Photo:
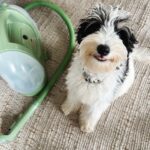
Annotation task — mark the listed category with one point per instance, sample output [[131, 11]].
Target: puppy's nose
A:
[[103, 50]]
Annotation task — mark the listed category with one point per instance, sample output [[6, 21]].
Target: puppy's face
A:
[[103, 45], [102, 52]]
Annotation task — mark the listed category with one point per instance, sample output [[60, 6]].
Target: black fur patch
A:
[[122, 78], [92, 23], [127, 37], [87, 27]]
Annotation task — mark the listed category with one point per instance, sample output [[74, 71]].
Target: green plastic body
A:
[[20, 33], [24, 117]]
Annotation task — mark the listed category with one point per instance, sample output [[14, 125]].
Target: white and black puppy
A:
[[103, 67]]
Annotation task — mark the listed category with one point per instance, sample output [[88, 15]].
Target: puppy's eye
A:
[[124, 33], [87, 27], [127, 35], [92, 26]]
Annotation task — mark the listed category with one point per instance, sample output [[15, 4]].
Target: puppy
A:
[[103, 67]]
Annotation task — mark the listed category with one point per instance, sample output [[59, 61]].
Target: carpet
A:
[[125, 125]]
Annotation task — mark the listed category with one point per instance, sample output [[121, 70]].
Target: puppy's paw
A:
[[65, 109], [70, 106], [86, 127]]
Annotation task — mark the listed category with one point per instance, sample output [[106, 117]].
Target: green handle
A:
[[23, 118]]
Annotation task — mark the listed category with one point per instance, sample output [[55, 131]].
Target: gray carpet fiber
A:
[[126, 123]]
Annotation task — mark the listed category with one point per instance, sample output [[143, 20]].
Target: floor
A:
[[126, 123]]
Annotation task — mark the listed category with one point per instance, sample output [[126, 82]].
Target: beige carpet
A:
[[124, 126]]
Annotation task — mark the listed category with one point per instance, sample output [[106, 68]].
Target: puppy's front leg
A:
[[70, 105], [90, 115]]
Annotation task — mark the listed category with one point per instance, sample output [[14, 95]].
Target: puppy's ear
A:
[[87, 27], [127, 37]]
